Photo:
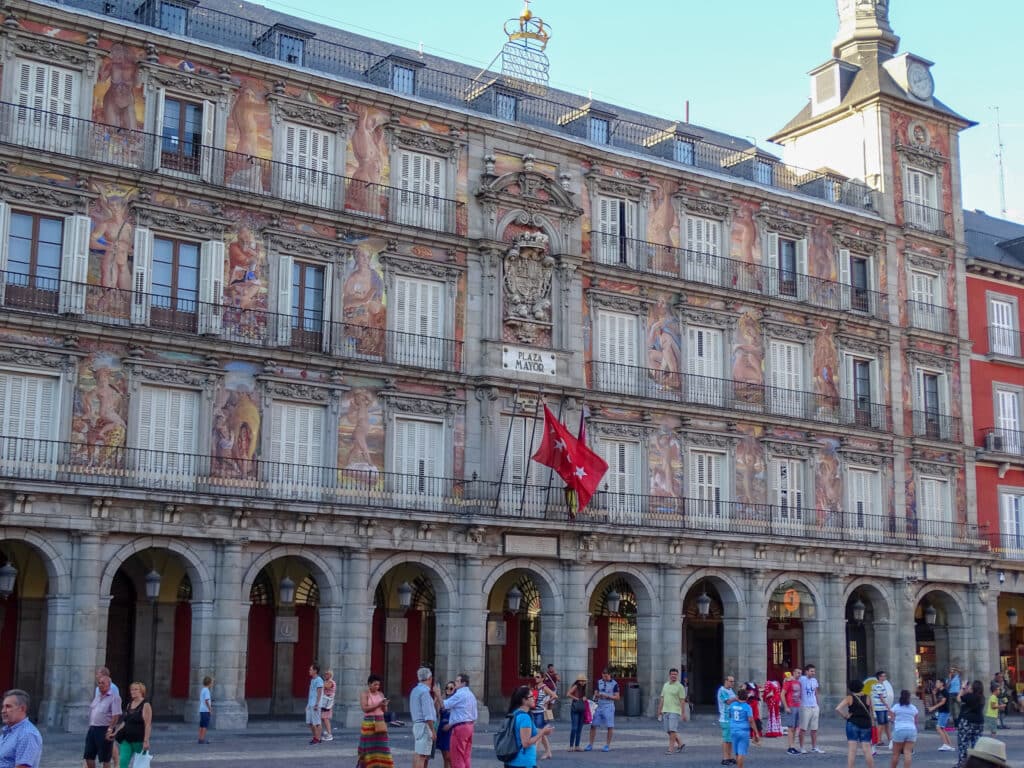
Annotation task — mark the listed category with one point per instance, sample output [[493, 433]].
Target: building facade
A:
[[281, 304]]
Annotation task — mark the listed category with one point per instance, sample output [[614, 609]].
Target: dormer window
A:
[[403, 80], [683, 151], [292, 49], [396, 73], [829, 83], [168, 15], [284, 43], [506, 106], [764, 172], [598, 130]]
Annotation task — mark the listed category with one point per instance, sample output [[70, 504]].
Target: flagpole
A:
[[551, 470], [529, 454], [508, 442]]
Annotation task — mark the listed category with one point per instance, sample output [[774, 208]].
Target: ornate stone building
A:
[[278, 306]]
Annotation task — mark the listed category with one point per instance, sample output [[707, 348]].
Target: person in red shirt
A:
[[791, 707]]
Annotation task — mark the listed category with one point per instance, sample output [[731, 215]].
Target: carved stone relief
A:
[[170, 220], [337, 119], [528, 276], [44, 195]]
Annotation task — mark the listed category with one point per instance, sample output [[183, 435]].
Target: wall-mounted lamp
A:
[[8, 576], [404, 594], [930, 614], [286, 592], [515, 599], [1011, 617], [1002, 577], [611, 600], [704, 603], [858, 609]]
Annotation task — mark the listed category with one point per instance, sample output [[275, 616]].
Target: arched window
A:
[[529, 627], [622, 634]]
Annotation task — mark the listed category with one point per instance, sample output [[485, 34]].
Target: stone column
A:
[[57, 678], [230, 639], [474, 630], [202, 659], [573, 637], [904, 640], [79, 646], [672, 621], [753, 630], [831, 660], [354, 654]]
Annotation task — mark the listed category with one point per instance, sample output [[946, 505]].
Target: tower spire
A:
[[864, 28]]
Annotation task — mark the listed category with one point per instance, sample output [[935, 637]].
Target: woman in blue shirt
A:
[[529, 735]]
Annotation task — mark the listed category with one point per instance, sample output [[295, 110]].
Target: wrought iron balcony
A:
[[929, 317], [173, 314], [927, 219], [936, 426], [1004, 342], [734, 275], [62, 135], [732, 395], [1007, 545], [79, 465], [1007, 441]]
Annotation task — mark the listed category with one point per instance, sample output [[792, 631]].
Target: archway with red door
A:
[[868, 629], [623, 620], [790, 607], [941, 636], [24, 588]]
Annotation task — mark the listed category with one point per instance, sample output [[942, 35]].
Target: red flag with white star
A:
[[580, 468]]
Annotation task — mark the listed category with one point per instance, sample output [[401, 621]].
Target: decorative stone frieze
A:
[[202, 84], [65, 199], [171, 220], [303, 245], [37, 358], [336, 119], [528, 272]]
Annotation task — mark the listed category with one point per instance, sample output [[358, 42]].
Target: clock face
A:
[[920, 80]]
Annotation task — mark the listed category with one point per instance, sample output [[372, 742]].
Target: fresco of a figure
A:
[[364, 305], [828, 481], [743, 245], [110, 249], [663, 227], [367, 161], [665, 460], [824, 364], [245, 281], [99, 424], [750, 469], [248, 136], [236, 423], [118, 96], [748, 360], [361, 434], [664, 355]]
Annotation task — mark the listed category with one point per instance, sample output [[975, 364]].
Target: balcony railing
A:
[[929, 317], [734, 275], [120, 308], [569, 113], [936, 426], [1007, 545], [1009, 441], [927, 219], [81, 465], [62, 135], [1005, 342], [738, 396]]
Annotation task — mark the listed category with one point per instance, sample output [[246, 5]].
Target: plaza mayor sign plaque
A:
[[526, 360]]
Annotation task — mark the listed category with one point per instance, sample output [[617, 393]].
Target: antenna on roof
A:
[[421, 49], [1002, 170]]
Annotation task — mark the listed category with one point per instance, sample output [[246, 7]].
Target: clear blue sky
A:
[[742, 64]]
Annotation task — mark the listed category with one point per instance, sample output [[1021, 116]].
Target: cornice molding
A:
[[337, 119], [144, 370], [304, 245], [602, 184], [619, 302], [712, 208], [172, 220], [417, 267], [406, 137], [190, 83], [69, 200], [28, 357]]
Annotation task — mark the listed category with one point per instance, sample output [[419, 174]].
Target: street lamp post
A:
[[153, 594]]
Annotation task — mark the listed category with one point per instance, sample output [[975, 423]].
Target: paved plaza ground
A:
[[638, 743]]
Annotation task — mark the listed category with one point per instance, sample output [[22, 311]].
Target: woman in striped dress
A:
[[374, 751]]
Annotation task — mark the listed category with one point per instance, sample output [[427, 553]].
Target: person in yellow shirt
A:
[[993, 708], [672, 709]]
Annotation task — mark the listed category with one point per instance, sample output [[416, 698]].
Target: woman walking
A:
[[577, 711], [374, 750], [941, 710], [327, 704], [529, 734], [138, 723], [972, 719], [444, 728], [541, 707], [904, 730], [856, 710]]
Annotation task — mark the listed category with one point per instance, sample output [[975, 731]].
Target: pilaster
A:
[[353, 659], [80, 649], [230, 633]]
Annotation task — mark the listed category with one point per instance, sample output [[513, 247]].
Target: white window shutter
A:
[[845, 278], [328, 310], [74, 266], [142, 276], [211, 286], [608, 213], [158, 128], [284, 300], [144, 437], [631, 216], [773, 250], [207, 149], [801, 267], [5, 228], [945, 412]]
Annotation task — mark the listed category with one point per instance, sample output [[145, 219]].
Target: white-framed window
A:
[[296, 449], [617, 352], [177, 283], [305, 291], [48, 99], [1011, 507], [44, 260], [622, 481], [863, 497], [788, 489], [857, 281], [933, 504], [786, 378], [422, 188], [419, 323], [707, 493], [787, 266], [167, 438], [683, 151], [306, 171], [705, 355], [920, 196], [702, 250], [1008, 436], [598, 130], [29, 418], [524, 435], [418, 452], [932, 416], [617, 223], [186, 126], [1003, 326], [926, 310], [861, 391]]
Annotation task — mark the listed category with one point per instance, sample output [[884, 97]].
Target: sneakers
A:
[[803, 750], [328, 737], [890, 746], [588, 748], [819, 750], [314, 741], [945, 748], [606, 748], [793, 751]]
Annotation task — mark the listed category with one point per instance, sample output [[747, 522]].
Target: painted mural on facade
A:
[[361, 433], [236, 423], [363, 299], [99, 422]]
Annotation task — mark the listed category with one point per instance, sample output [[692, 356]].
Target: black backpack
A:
[[506, 740]]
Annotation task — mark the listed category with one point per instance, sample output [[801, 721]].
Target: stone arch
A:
[[647, 596], [58, 575], [881, 597], [556, 244], [949, 599], [731, 595], [203, 588], [802, 578], [327, 581], [446, 598], [545, 579]]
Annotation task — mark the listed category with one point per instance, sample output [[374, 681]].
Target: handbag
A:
[[578, 706], [142, 760], [588, 716], [379, 726], [548, 715]]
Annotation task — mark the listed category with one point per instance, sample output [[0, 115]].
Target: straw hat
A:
[[990, 750], [581, 678]]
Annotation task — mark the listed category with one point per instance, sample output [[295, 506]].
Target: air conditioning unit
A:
[[993, 442]]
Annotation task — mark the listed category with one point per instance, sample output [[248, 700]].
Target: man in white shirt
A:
[[882, 699], [809, 708], [462, 714]]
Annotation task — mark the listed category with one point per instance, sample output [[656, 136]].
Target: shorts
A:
[[726, 731], [312, 716], [423, 743], [604, 717], [991, 724], [854, 733], [671, 720], [882, 716], [943, 718], [96, 745], [809, 718], [204, 719], [538, 719], [904, 734], [791, 719], [740, 743]]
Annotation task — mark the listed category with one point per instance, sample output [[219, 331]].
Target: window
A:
[[28, 417], [857, 280], [419, 323], [291, 49], [704, 361], [524, 435], [304, 291], [182, 135], [506, 106], [598, 130], [617, 227], [863, 489], [926, 302], [47, 97], [419, 451], [43, 260], [860, 384], [920, 200], [617, 352], [931, 405], [177, 284], [1008, 436], [787, 266], [403, 80], [297, 448], [764, 172], [703, 245], [707, 485], [422, 186], [167, 440], [306, 172], [786, 378], [1004, 337], [622, 480], [788, 489], [173, 18], [683, 151], [933, 504], [1011, 504]]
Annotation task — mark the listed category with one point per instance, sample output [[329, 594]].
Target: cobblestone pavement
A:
[[638, 743]]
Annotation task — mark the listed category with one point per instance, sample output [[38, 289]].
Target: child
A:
[[742, 726], [205, 708], [994, 706]]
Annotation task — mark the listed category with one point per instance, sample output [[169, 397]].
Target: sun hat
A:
[[580, 678], [990, 750]]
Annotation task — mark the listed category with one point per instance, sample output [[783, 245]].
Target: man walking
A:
[[882, 699], [462, 710], [104, 712], [607, 694], [726, 696], [316, 692], [21, 746], [670, 710], [742, 726], [424, 714], [791, 708], [809, 709]]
